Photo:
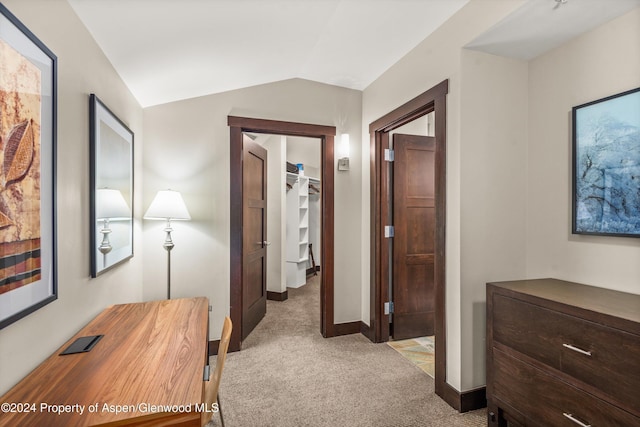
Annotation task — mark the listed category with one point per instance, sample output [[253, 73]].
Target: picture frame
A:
[[606, 166], [111, 178], [28, 97]]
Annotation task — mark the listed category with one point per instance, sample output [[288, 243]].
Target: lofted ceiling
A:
[[167, 50]]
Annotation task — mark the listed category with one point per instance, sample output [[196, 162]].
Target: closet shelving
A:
[[303, 195], [297, 229]]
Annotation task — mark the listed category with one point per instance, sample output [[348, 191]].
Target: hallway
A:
[[288, 375]]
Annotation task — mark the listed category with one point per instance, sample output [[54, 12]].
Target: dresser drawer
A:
[[546, 401], [603, 357]]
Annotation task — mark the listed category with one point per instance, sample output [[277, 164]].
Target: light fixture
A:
[[110, 206], [343, 153], [168, 205]]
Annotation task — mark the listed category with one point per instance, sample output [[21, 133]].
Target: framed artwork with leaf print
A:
[[27, 171]]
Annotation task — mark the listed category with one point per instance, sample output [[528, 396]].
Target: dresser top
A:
[[598, 300]]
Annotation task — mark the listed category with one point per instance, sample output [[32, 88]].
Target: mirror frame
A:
[[106, 127]]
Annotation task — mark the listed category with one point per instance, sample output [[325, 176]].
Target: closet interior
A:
[[303, 227], [293, 211]]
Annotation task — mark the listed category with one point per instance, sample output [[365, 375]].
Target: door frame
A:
[[326, 134], [433, 99]]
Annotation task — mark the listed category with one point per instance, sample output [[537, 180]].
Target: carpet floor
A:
[[288, 375]]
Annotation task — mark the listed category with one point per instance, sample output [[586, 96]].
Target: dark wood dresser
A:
[[562, 354]]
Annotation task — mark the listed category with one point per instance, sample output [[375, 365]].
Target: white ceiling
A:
[[541, 25], [167, 50]]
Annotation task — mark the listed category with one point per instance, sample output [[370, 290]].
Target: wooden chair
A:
[[212, 386]]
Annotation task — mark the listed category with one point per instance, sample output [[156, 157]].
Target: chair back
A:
[[211, 387]]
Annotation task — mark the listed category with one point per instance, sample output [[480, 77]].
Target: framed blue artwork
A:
[[606, 166]]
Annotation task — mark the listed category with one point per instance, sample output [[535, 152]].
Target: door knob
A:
[[266, 243]]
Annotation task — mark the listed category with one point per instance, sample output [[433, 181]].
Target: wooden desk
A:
[[152, 353]]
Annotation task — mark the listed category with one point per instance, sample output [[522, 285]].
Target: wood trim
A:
[[326, 134], [380, 247], [450, 395], [413, 109], [366, 330], [327, 243], [280, 128], [465, 401], [235, 246], [433, 99], [386, 218], [277, 296], [347, 328], [374, 226], [473, 399], [440, 107], [213, 347]]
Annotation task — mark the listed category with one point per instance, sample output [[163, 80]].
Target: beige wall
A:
[[308, 152], [276, 146], [82, 69], [600, 63], [187, 149], [493, 142], [437, 58]]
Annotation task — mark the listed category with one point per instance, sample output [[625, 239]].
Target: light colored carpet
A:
[[288, 375]]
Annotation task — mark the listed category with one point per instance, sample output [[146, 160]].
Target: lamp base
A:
[[105, 246], [168, 245]]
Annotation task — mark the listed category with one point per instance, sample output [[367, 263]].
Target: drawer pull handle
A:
[[579, 350], [575, 420]]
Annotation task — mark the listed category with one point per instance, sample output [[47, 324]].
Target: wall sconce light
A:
[[110, 206], [168, 204], [343, 152]]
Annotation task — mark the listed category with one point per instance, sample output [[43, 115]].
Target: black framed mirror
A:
[[111, 188]]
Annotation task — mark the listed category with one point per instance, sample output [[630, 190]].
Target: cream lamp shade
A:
[[111, 205], [168, 204]]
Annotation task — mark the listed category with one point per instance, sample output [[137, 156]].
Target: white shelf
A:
[[297, 230]]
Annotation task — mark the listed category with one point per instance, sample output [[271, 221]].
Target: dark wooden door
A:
[[254, 226], [414, 216]]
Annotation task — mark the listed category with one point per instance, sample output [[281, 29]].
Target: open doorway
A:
[[431, 101], [240, 243], [294, 226], [412, 199]]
